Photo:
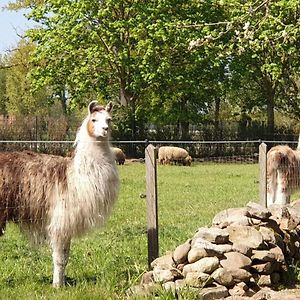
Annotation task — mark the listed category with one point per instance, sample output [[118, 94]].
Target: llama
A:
[[58, 198], [283, 173]]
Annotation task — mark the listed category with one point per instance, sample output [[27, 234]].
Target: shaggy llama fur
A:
[[58, 198], [283, 174]]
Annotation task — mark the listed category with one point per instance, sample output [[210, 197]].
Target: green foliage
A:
[[20, 100], [3, 76], [170, 61]]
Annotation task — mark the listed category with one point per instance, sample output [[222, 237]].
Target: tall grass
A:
[[104, 264]]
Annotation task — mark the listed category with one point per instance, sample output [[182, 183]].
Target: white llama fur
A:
[[59, 198], [283, 174]]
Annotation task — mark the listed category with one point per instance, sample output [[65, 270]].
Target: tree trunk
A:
[[63, 101], [184, 120], [269, 92], [132, 112], [217, 119]]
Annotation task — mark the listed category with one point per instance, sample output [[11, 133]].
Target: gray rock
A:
[[240, 275], [296, 206], [241, 248], [278, 254], [211, 293], [147, 277], [229, 216], [181, 252], [263, 255], [235, 260], [240, 289], [256, 210], [204, 265], [246, 235], [197, 279], [164, 262], [222, 277], [143, 289], [211, 249], [196, 254], [213, 234], [286, 216], [265, 268], [268, 234], [264, 280], [162, 275]]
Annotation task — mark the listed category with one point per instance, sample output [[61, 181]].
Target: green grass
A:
[[104, 264]]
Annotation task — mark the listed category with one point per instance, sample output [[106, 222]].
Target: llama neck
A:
[[90, 151]]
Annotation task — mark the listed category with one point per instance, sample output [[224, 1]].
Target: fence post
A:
[[263, 174], [151, 192]]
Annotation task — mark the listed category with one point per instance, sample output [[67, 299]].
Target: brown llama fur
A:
[[58, 198], [283, 174]]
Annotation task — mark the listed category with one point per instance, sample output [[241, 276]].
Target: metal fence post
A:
[[151, 192], [263, 174]]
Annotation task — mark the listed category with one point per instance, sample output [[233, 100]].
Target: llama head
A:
[[99, 120]]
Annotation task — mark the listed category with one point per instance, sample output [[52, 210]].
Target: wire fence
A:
[[201, 151]]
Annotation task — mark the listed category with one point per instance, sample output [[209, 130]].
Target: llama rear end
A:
[[283, 174], [26, 183]]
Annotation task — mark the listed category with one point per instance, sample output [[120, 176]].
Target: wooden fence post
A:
[[151, 192], [263, 174]]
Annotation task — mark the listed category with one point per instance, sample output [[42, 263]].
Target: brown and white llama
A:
[[59, 198], [283, 173]]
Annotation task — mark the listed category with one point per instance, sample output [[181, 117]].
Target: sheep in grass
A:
[[283, 174], [59, 198], [119, 155], [168, 154]]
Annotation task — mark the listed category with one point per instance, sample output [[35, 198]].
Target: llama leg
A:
[[282, 196], [60, 256], [271, 189]]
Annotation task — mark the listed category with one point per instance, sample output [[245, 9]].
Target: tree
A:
[[3, 97], [20, 99], [126, 50], [267, 44], [261, 42]]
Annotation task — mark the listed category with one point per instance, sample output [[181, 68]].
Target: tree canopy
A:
[[169, 61]]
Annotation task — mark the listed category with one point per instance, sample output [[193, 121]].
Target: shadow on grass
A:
[[69, 281]]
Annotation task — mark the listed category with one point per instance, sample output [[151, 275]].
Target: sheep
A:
[[57, 198], [168, 154], [119, 155], [283, 173]]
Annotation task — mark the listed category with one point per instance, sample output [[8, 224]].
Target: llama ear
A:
[[109, 107], [91, 106]]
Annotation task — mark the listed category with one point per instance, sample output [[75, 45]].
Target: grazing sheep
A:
[[119, 155], [58, 198], [187, 161], [168, 154], [283, 174]]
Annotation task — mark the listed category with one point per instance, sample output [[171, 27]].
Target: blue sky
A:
[[12, 24]]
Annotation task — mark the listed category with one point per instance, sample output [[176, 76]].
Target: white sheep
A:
[[119, 155], [168, 154]]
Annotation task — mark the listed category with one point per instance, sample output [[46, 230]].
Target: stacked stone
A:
[[244, 250]]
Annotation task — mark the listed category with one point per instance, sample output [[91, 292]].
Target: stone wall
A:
[[243, 251]]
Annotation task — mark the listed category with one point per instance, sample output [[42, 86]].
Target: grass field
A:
[[104, 264]]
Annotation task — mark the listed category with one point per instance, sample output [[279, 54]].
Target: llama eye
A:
[[94, 120]]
